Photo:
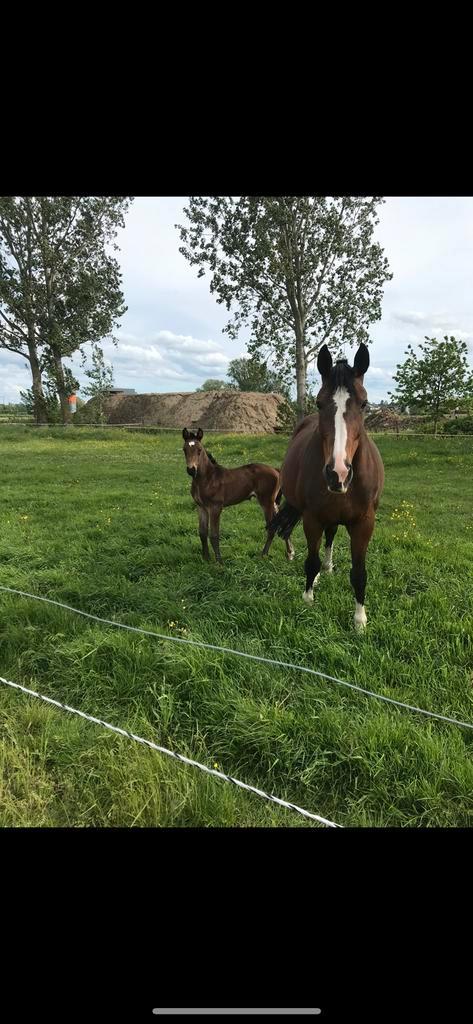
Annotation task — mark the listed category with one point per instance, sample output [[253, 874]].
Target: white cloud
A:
[[157, 357]]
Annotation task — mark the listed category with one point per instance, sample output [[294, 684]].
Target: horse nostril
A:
[[191, 470]]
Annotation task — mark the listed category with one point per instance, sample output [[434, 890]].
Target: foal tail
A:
[[285, 521]]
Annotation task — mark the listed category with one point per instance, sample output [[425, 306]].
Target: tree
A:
[[300, 270], [254, 375], [60, 285], [213, 385], [100, 378], [435, 380]]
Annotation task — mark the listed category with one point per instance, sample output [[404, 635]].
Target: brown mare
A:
[[214, 488], [333, 475]]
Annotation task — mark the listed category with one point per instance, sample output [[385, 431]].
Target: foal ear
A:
[[199, 434], [185, 433], [361, 361], [324, 362]]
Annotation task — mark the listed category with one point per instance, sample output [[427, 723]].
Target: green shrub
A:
[[462, 425]]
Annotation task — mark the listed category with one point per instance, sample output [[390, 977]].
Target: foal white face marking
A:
[[340, 398], [191, 444]]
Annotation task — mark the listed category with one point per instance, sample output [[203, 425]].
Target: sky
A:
[[171, 337]]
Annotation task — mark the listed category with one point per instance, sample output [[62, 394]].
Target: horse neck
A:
[[206, 467], [362, 443]]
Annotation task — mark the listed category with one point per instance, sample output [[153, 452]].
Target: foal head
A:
[[192, 449], [340, 402]]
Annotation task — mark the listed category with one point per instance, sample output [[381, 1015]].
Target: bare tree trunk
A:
[[40, 410], [40, 407], [61, 388], [301, 373]]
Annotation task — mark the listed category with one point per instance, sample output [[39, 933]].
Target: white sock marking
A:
[[360, 617], [308, 595]]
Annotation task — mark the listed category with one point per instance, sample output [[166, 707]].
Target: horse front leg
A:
[[215, 531], [360, 536], [313, 532], [204, 532], [327, 562]]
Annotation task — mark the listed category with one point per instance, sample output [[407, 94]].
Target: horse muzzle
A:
[[334, 484], [192, 471]]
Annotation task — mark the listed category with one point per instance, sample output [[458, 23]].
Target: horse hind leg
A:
[[313, 532], [290, 550], [269, 511], [327, 561]]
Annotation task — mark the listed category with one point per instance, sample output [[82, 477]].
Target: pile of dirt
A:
[[383, 419], [386, 419], [245, 412]]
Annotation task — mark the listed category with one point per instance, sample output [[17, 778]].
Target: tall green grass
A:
[[103, 520]]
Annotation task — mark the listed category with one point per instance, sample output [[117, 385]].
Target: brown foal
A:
[[214, 488], [333, 475]]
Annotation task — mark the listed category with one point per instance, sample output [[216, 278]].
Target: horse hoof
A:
[[308, 596], [290, 555], [360, 623]]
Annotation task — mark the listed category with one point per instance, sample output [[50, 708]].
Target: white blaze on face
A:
[[340, 398], [191, 444]]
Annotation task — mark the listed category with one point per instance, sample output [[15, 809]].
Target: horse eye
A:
[[363, 405]]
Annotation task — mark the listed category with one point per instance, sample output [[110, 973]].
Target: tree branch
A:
[[316, 294], [13, 327]]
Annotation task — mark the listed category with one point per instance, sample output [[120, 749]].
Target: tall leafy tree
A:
[[100, 380], [211, 384], [299, 270], [435, 379], [60, 283], [254, 374], [20, 293]]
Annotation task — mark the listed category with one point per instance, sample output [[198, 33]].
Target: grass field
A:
[[103, 520]]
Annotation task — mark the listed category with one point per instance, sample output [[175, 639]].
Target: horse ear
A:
[[199, 434], [324, 362], [361, 361], [185, 433]]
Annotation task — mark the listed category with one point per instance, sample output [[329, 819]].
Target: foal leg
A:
[[327, 563], [360, 536], [203, 532], [215, 531], [313, 531], [290, 552]]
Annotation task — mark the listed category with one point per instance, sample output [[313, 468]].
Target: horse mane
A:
[[342, 376], [211, 458]]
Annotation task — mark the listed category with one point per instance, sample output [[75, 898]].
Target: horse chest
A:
[[195, 492]]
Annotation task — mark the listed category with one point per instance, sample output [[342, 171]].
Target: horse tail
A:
[[279, 494], [284, 522]]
